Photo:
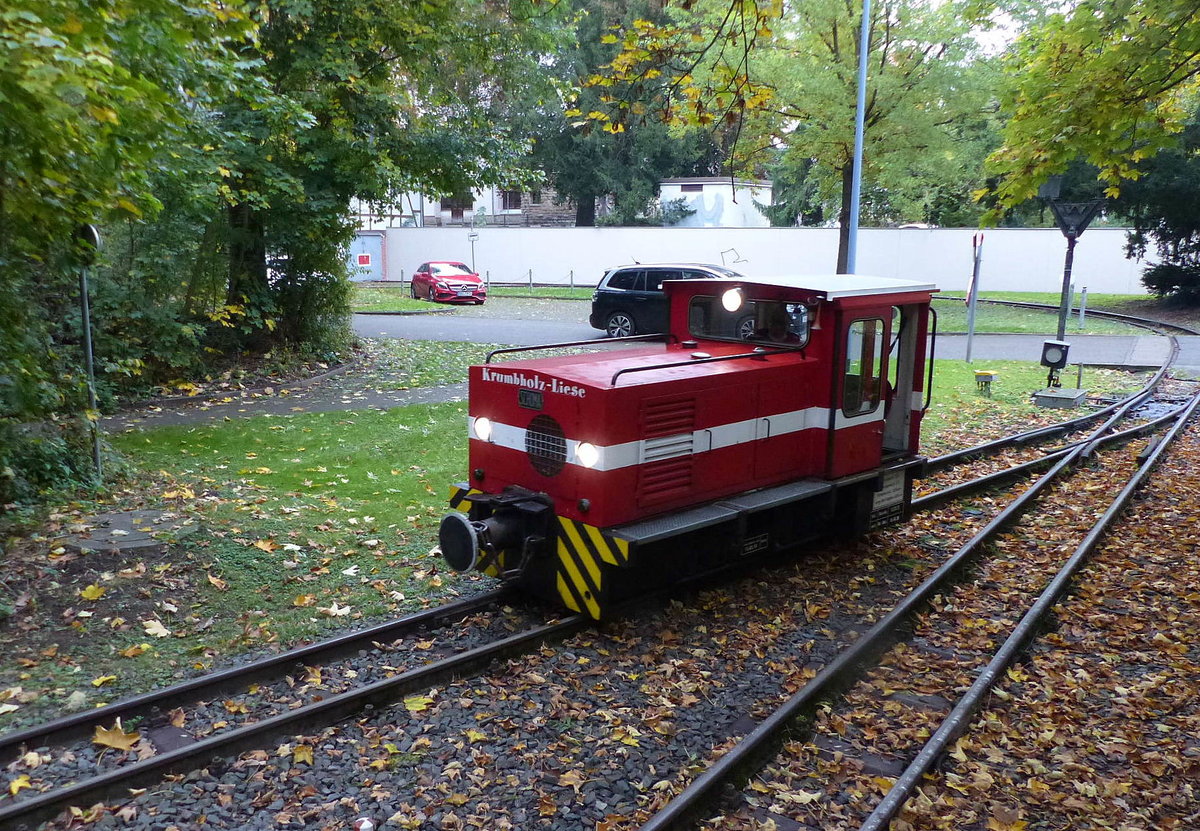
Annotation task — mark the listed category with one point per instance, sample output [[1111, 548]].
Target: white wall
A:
[[1013, 259]]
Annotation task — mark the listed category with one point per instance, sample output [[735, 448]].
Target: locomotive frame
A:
[[598, 477]]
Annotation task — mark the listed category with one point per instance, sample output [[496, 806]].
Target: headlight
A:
[[483, 429], [587, 454], [732, 300]]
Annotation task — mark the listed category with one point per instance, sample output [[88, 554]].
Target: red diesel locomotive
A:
[[596, 477]]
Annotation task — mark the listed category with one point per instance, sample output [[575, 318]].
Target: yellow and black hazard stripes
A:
[[458, 497], [583, 552], [458, 501]]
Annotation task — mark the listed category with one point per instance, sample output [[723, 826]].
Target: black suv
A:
[[630, 300]]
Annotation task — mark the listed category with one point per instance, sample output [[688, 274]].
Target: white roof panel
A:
[[834, 286]]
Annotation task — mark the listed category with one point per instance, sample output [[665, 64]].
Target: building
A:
[[719, 202]]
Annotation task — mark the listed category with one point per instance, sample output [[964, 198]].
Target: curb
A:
[[410, 312]]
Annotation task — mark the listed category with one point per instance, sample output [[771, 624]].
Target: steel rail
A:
[[956, 723], [23, 814], [922, 503], [1132, 320], [80, 724], [986, 448], [850, 663]]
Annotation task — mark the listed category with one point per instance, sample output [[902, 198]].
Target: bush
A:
[[1181, 280], [50, 455]]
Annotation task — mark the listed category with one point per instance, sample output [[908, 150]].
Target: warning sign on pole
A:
[[364, 259]]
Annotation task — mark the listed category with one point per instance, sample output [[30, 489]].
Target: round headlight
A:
[[587, 454], [483, 429], [732, 300]]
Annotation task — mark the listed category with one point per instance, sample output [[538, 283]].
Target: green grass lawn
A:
[[310, 522], [380, 298], [990, 318]]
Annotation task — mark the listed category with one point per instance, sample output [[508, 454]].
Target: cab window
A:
[[766, 322], [864, 366]]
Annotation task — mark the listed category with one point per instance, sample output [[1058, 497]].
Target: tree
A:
[[1102, 81], [787, 77], [1164, 207], [91, 93], [581, 159], [391, 97]]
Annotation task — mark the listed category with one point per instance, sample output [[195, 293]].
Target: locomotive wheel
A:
[[620, 325]]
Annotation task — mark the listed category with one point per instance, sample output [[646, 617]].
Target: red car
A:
[[448, 282]]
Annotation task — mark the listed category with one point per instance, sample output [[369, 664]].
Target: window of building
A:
[[510, 200], [535, 197], [691, 188]]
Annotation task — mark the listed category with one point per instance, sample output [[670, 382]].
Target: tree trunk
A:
[[248, 285], [843, 255], [585, 210]]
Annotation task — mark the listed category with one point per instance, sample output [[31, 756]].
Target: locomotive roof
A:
[[832, 286]]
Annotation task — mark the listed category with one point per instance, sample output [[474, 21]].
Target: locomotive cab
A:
[[777, 411]]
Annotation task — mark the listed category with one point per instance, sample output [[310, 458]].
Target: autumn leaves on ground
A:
[[305, 523]]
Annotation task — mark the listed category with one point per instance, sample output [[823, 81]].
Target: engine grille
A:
[[546, 445]]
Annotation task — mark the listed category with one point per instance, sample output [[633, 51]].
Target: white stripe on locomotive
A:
[[630, 454]]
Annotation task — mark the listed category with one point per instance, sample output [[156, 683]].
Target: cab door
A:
[[856, 418]]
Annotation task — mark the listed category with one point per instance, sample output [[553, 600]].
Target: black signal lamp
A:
[[1054, 354]]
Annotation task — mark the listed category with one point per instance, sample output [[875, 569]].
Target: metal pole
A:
[[864, 47], [89, 363], [977, 257], [531, 281], [1082, 305], [1064, 303]]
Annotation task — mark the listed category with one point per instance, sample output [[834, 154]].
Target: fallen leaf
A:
[[155, 628], [115, 736], [417, 703], [302, 753], [135, 650], [92, 592], [266, 545], [22, 781], [102, 680], [217, 582]]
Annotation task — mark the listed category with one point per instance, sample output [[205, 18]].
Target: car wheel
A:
[[620, 325], [412, 289], [745, 327], [429, 295], [478, 302]]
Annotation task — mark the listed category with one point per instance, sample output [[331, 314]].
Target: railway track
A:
[[329, 706], [888, 646], [328, 692]]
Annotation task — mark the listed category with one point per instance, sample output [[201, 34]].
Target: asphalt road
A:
[[522, 322], [510, 321]]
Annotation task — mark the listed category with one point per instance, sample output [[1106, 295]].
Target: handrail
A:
[[593, 342], [759, 351], [929, 360]]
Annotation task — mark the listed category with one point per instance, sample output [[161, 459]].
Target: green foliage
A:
[[218, 147], [1105, 81], [583, 159], [1164, 207]]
